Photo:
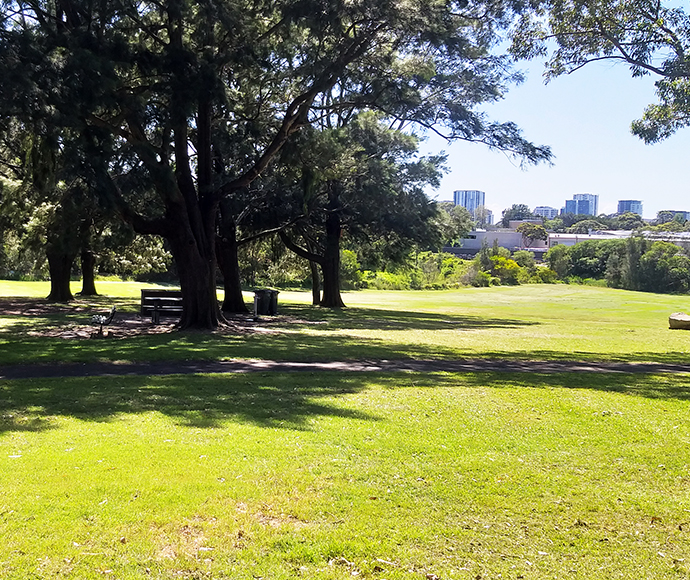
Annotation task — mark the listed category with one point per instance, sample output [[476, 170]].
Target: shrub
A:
[[558, 259], [387, 280], [546, 275], [350, 270], [505, 269], [524, 259]]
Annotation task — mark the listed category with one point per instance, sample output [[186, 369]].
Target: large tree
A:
[[155, 87], [362, 181], [652, 37]]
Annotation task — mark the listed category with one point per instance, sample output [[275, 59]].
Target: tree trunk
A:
[[88, 273], [315, 283], [226, 249], [330, 266], [195, 258], [60, 267]]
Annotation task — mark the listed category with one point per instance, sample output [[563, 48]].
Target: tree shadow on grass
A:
[[358, 318], [647, 385], [202, 401], [37, 315], [275, 400]]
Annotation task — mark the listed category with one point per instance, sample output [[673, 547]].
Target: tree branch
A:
[[301, 252]]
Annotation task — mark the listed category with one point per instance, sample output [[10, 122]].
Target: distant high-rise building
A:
[[545, 211], [583, 203], [470, 199], [630, 205]]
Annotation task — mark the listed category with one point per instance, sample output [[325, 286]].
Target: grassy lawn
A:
[[329, 476], [371, 475], [525, 322]]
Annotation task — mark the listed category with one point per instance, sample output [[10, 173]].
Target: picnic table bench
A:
[[156, 303]]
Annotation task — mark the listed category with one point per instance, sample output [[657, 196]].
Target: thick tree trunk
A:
[[195, 258], [330, 266], [228, 262], [60, 267], [315, 283], [88, 273], [197, 282]]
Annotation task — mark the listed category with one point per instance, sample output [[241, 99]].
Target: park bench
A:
[[156, 303], [103, 320]]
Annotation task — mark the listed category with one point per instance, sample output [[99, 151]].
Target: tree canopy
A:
[[650, 36], [517, 211], [532, 232], [171, 107]]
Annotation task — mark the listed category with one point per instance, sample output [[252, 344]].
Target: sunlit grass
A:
[[525, 322], [330, 476]]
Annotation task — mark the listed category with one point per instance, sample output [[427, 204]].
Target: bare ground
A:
[[126, 323]]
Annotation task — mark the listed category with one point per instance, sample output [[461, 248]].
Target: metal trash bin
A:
[[266, 301]]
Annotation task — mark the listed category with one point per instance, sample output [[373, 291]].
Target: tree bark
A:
[[197, 281], [315, 283], [229, 265], [88, 273], [330, 265], [60, 267]]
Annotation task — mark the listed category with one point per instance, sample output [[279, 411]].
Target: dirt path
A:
[[248, 366]]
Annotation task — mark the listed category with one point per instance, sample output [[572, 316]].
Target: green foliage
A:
[[532, 232], [545, 275], [518, 211], [589, 258], [629, 221], [454, 222], [670, 226], [558, 259], [428, 271], [664, 266], [387, 280], [584, 226], [651, 37], [525, 259], [632, 264], [350, 270], [555, 225], [495, 266], [505, 269]]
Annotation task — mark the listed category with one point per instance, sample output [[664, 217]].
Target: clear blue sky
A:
[[585, 118]]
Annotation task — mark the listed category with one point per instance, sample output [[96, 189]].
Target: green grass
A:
[[525, 322], [333, 476], [324, 475]]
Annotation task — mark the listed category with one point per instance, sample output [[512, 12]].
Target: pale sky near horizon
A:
[[585, 118]]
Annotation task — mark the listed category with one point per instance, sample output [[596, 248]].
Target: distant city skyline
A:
[[585, 118]]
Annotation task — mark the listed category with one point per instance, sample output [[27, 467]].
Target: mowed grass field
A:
[[367, 475], [522, 322]]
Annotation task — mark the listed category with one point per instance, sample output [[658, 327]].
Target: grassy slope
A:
[[527, 322]]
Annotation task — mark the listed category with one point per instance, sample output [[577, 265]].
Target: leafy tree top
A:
[[532, 232], [650, 36], [518, 211]]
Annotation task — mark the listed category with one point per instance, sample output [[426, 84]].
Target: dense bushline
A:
[[632, 264]]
